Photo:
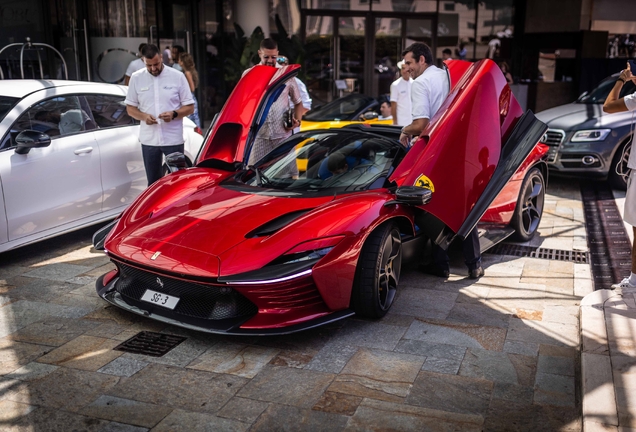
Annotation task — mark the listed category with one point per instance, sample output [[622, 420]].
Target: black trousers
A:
[[153, 159], [472, 254]]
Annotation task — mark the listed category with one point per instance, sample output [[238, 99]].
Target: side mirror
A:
[[413, 195], [176, 161], [582, 95], [28, 139], [371, 115]]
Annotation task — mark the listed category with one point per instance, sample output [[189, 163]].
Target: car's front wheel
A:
[[619, 165], [378, 272], [529, 209]]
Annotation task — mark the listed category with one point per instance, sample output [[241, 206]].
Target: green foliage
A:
[[290, 47], [241, 53]]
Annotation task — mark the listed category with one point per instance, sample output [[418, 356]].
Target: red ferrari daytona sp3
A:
[[278, 246]]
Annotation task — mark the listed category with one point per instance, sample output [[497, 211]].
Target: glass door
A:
[[348, 52], [182, 27], [350, 49], [177, 29], [388, 52], [318, 69]]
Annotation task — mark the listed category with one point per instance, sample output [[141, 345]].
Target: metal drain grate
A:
[[542, 253], [610, 248], [150, 343]]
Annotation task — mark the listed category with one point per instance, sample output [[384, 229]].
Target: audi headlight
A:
[[590, 135]]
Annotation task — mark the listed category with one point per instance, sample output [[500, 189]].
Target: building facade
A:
[[343, 45]]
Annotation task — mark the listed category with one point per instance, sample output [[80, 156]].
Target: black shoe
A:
[[434, 270], [476, 273]]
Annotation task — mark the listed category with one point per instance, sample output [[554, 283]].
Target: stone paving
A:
[[501, 353]]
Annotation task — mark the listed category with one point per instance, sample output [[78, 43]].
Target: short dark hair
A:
[[179, 50], [336, 161], [269, 44], [419, 49], [141, 46], [149, 51], [447, 51]]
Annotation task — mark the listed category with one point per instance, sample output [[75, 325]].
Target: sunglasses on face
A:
[[281, 60]]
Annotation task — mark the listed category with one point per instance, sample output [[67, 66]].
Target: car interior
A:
[[364, 161], [67, 115]]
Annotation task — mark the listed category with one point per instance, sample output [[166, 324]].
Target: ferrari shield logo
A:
[[424, 182], [155, 255]]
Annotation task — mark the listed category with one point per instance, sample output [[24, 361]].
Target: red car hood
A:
[[189, 234]]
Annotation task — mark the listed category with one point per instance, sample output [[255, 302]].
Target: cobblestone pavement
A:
[[501, 353]]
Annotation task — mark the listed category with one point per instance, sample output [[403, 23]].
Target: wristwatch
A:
[[174, 115], [621, 80]]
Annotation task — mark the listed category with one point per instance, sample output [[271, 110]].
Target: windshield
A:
[[600, 93], [6, 103], [325, 162], [345, 108]]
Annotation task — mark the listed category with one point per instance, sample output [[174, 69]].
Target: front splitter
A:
[[109, 294]]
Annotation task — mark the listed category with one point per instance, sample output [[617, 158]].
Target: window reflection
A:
[[405, 5]]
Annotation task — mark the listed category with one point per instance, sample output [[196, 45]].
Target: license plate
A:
[[160, 299]]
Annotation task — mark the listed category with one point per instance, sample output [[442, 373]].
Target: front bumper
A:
[[221, 315], [591, 159]]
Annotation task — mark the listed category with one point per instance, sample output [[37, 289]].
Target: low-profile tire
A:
[[619, 163], [379, 270], [529, 209]]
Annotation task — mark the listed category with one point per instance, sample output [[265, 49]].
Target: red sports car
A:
[[224, 247]]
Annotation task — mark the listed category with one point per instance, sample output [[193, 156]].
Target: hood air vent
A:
[[274, 225]]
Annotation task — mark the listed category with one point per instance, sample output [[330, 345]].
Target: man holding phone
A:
[[159, 97], [613, 104]]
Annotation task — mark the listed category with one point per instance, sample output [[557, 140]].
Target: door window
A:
[[56, 117], [109, 111]]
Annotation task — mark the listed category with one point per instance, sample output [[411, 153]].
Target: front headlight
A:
[[304, 256], [590, 135]]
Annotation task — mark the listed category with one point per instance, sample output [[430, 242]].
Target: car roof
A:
[[21, 87]]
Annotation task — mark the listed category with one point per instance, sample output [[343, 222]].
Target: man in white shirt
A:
[[430, 88], [401, 97], [613, 104], [135, 65], [159, 97]]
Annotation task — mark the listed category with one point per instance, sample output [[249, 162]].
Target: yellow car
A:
[[346, 110], [352, 109]]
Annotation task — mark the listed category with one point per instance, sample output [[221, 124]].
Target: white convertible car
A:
[[85, 169]]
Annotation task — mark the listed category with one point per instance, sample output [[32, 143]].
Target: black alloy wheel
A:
[[619, 165], [378, 272], [529, 207]]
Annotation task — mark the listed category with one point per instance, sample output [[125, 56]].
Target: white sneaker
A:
[[623, 284]]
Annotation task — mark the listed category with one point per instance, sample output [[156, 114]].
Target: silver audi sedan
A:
[[69, 157]]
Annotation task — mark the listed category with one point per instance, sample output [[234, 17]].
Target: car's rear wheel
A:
[[378, 272], [529, 210], [619, 164]]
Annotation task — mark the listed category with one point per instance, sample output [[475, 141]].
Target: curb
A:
[[600, 412]]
